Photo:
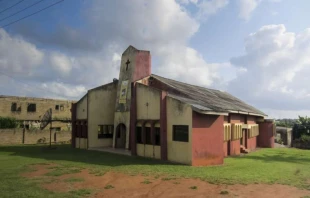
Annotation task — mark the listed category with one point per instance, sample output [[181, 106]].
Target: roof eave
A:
[[209, 112], [246, 113]]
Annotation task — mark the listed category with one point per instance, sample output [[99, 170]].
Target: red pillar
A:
[[266, 137], [163, 125], [207, 139], [73, 124], [225, 149]]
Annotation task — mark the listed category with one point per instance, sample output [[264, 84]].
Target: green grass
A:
[[109, 186], [74, 179], [282, 165], [63, 171], [168, 178], [146, 181], [81, 192]]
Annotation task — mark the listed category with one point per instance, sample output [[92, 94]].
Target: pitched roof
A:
[[208, 100]]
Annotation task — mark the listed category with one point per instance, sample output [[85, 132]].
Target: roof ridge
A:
[[211, 98], [188, 83]]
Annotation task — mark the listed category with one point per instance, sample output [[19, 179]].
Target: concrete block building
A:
[[29, 110], [156, 117]]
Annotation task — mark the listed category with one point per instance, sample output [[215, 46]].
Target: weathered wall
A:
[[235, 144], [225, 148], [42, 105], [179, 113], [225, 119], [251, 142], [285, 134], [150, 151], [101, 103], [81, 108], [266, 136], [81, 143], [148, 102], [207, 139], [135, 65], [251, 119], [16, 136]]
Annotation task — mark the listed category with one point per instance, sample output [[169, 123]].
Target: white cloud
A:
[[187, 1], [25, 69], [61, 63], [247, 7], [278, 67], [208, 8], [55, 89], [281, 114], [164, 27], [17, 55]]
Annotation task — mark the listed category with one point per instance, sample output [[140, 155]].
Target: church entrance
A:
[[120, 139]]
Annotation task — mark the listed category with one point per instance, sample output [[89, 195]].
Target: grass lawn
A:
[[281, 165]]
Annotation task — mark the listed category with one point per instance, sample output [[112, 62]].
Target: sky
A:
[[257, 50]]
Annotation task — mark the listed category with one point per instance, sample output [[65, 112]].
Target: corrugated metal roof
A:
[[207, 99]]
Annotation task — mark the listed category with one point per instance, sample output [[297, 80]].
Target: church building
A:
[[151, 116]]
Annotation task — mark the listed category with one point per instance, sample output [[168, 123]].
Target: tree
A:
[[302, 127]]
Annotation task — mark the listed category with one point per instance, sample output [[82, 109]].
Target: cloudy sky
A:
[[257, 50]]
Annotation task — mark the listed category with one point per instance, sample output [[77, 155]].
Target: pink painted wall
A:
[[225, 149], [143, 65], [251, 143], [207, 139], [265, 138]]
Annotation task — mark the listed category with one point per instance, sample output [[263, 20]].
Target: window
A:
[[180, 133], [31, 107], [57, 107], [148, 137], [105, 131], [62, 107], [157, 136], [14, 106], [139, 135]]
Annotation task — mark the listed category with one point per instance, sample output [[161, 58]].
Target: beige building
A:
[[152, 116], [31, 110]]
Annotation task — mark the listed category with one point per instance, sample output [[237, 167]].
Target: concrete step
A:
[[243, 149]]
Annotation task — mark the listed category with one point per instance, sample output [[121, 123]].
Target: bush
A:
[[8, 123], [305, 138], [302, 127]]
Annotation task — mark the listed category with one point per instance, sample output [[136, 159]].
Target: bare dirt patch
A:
[[112, 184]]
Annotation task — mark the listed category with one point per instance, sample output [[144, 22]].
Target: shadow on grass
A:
[[66, 153], [278, 157]]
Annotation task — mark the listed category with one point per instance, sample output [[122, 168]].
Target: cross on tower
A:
[[127, 63]]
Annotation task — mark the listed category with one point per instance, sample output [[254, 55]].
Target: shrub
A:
[[8, 123], [305, 138]]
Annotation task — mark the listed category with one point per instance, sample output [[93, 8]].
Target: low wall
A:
[[17, 136], [300, 144], [285, 134]]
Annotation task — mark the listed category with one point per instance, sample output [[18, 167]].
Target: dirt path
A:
[[113, 184]]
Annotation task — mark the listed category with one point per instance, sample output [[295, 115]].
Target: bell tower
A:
[[135, 65]]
